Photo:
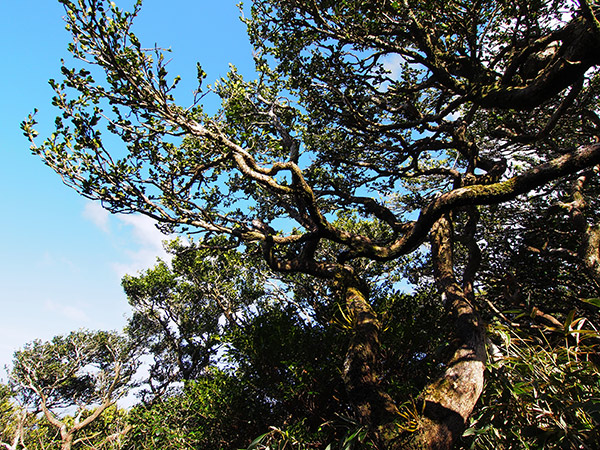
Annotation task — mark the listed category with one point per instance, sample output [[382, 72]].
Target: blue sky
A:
[[61, 256]]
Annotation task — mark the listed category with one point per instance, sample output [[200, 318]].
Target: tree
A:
[[273, 360], [21, 428], [407, 115], [246, 354], [543, 322], [12, 420], [178, 309], [83, 373]]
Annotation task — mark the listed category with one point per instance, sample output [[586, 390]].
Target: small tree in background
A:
[[74, 379], [181, 311], [12, 420]]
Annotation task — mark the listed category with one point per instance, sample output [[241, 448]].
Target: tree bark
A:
[[66, 438], [577, 54], [589, 247], [449, 401], [361, 372]]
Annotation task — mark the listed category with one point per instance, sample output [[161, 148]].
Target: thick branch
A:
[[577, 54], [589, 234], [584, 157]]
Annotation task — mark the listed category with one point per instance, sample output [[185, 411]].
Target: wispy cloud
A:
[[138, 261], [149, 240], [67, 311], [144, 230], [143, 239], [99, 216]]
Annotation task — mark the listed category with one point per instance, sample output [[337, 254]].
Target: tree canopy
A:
[[177, 312], [377, 133], [84, 371]]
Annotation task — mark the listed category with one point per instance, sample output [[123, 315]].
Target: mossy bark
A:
[[361, 370], [589, 234], [449, 401]]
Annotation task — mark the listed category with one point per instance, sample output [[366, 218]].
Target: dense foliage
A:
[[177, 310], [82, 374]]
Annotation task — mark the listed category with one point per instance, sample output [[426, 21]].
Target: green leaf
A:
[[592, 301], [255, 442]]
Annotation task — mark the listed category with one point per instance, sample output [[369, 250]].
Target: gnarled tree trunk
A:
[[450, 400], [361, 370]]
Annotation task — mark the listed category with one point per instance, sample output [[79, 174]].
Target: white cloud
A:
[[67, 311], [99, 216], [149, 240], [144, 230], [393, 63], [138, 261], [138, 240]]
